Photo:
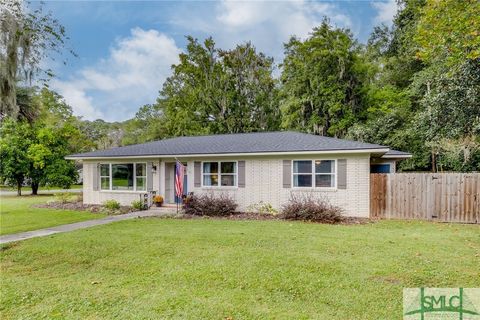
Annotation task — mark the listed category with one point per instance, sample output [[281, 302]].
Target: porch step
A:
[[168, 205], [166, 209]]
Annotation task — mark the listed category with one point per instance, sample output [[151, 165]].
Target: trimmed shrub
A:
[[111, 205], [209, 205], [310, 208], [138, 205]]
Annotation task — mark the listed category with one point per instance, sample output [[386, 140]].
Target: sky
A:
[[126, 48]]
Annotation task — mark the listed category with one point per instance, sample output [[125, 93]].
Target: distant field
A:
[[8, 188]]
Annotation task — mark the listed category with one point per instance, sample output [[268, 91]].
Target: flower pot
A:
[[158, 204]]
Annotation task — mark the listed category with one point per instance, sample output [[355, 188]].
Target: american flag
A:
[[179, 174]]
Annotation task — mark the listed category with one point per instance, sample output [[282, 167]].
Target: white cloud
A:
[[132, 74], [386, 11], [78, 99], [285, 18], [267, 24]]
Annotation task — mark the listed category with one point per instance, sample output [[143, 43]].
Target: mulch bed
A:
[[80, 206], [237, 216], [95, 208]]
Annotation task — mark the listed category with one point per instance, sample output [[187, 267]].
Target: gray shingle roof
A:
[[285, 141]]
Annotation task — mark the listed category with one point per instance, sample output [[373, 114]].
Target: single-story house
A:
[[250, 167]]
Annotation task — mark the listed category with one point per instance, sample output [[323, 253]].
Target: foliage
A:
[[322, 82], [138, 205], [100, 134], [217, 91], [28, 109], [449, 122], [147, 125], [449, 30], [423, 97], [111, 205], [311, 208], [63, 197], [36, 150], [28, 36], [15, 140], [210, 205], [413, 87], [263, 208]]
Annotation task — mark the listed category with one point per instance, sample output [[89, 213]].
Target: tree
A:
[[391, 104], [450, 116], [424, 95], [219, 91], [449, 30], [35, 152], [26, 39], [15, 140], [47, 163], [145, 126], [322, 82], [100, 134]]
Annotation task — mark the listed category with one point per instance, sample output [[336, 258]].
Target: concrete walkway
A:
[[78, 225]]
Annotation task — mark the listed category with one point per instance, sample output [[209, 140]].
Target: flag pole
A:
[[176, 177]]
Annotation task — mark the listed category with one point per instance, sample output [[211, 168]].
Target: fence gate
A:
[[449, 197]]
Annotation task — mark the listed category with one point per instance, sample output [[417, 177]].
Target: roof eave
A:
[[206, 155], [397, 156]]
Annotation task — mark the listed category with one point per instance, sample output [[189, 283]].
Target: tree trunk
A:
[[434, 162], [19, 188], [34, 188]]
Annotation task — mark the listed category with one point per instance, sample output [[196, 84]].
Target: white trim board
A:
[[210, 155]]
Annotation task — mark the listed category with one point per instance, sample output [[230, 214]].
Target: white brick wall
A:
[[124, 197], [263, 182]]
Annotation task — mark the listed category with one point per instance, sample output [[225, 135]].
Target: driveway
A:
[[79, 225]]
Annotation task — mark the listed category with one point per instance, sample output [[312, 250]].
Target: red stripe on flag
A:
[[179, 175]]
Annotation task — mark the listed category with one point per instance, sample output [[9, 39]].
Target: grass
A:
[[220, 269], [18, 215], [27, 188]]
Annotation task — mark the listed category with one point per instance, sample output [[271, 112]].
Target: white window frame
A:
[[219, 174], [303, 173], [334, 174], [109, 177], [134, 177], [314, 174]]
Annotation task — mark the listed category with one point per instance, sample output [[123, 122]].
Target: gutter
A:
[[399, 156], [210, 155]]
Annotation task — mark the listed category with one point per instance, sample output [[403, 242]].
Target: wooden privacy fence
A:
[[449, 197]]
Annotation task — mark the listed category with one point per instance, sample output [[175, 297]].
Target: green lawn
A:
[[17, 214], [216, 269]]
